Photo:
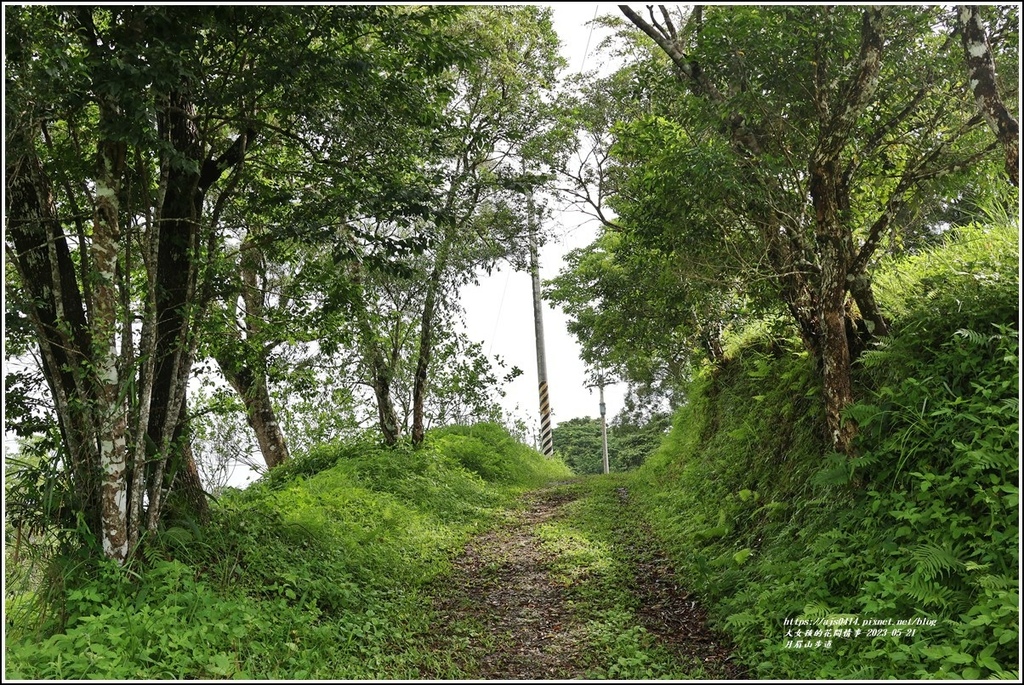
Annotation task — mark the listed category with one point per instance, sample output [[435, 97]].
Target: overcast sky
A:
[[499, 312]]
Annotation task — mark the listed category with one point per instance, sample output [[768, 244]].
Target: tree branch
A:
[[214, 168]]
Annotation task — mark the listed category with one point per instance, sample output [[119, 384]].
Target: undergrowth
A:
[[902, 562], [315, 572]]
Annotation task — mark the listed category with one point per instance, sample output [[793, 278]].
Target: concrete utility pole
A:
[[604, 426], [547, 445]]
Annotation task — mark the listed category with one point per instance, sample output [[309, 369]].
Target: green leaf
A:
[[960, 658]]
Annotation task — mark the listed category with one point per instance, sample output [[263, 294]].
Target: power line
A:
[[501, 304], [590, 35]]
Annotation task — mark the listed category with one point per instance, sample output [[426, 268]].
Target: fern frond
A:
[[998, 583], [740, 620], [837, 471], [826, 541], [932, 559], [816, 610], [973, 337], [864, 414], [876, 357], [927, 592]]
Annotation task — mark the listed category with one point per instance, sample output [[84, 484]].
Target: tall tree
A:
[[171, 100], [804, 132], [982, 80], [485, 156], [499, 111], [353, 159], [110, 100]]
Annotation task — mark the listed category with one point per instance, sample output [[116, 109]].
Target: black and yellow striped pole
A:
[[547, 445]]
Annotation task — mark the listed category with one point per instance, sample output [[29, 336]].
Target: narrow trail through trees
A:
[[520, 605]]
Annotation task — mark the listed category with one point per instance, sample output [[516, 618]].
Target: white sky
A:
[[499, 312]]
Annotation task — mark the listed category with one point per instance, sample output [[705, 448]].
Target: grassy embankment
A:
[[319, 571], [918, 533]]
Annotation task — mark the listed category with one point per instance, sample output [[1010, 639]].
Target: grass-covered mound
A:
[[918, 534], [315, 572]]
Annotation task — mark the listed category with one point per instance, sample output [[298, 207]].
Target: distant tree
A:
[[578, 442], [634, 442]]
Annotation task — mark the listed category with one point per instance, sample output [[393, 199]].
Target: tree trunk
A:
[[41, 255], [177, 302], [175, 290], [981, 74], [259, 411], [382, 390], [864, 295], [244, 361], [712, 341], [110, 419], [184, 488], [837, 384], [377, 366], [426, 347]]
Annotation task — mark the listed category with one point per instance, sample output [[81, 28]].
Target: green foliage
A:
[[162, 624], [578, 442], [918, 531], [717, 216], [300, 93], [315, 572], [489, 451]]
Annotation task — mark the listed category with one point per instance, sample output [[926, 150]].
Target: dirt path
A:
[[669, 611], [504, 599], [511, 618]]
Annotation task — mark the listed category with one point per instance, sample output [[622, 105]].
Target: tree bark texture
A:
[[425, 348], [381, 373], [251, 386], [243, 360], [111, 411], [191, 173], [175, 288], [837, 384], [981, 74], [41, 255]]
